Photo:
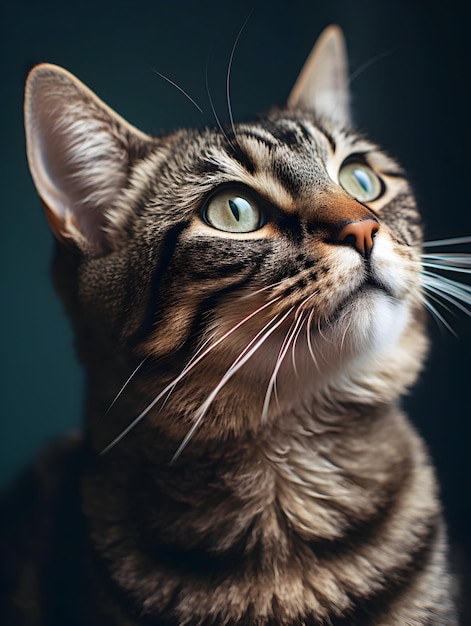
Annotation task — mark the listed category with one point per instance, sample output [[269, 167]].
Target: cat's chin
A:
[[376, 321], [365, 327]]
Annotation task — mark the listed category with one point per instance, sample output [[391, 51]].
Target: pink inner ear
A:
[[77, 151], [322, 85]]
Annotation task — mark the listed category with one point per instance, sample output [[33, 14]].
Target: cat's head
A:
[[258, 268]]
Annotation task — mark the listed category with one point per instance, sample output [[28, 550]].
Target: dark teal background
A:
[[413, 100]]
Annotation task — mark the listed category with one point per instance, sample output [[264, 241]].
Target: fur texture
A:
[[257, 468]]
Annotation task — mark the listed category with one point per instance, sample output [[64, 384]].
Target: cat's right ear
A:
[[322, 85], [80, 153]]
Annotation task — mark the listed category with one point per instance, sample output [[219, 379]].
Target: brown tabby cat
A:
[[259, 288]]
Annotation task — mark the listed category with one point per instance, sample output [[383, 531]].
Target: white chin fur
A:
[[370, 325]]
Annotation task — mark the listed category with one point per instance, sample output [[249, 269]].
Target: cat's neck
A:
[[302, 487], [298, 481]]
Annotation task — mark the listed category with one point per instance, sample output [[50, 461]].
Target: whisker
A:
[[286, 342], [254, 293], [449, 257], [344, 334], [447, 267], [439, 292], [440, 303], [213, 108], [117, 396], [309, 341], [452, 294], [243, 357], [192, 363], [300, 308], [319, 330], [451, 285], [437, 316], [187, 368], [293, 348], [364, 66], [454, 241], [182, 91], [281, 356], [229, 68]]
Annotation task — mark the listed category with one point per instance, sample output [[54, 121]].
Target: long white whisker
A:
[[451, 296], [449, 257], [192, 363], [286, 342], [181, 90], [293, 348], [440, 302], [319, 330], [344, 334], [366, 64], [454, 241], [281, 355], [461, 291], [437, 316], [229, 68], [309, 341], [447, 267], [188, 367], [213, 108], [245, 355], [254, 293], [300, 308], [118, 395]]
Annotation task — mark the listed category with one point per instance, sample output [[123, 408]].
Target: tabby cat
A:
[[249, 306]]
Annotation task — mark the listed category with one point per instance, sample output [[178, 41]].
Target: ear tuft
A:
[[322, 85], [79, 153]]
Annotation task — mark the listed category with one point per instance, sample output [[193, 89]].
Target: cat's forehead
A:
[[282, 155], [302, 143]]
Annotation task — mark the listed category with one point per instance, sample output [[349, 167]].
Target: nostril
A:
[[359, 235], [349, 240]]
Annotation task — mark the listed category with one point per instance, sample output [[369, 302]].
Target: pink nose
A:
[[359, 235]]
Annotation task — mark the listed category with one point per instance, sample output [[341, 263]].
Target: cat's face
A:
[[271, 263]]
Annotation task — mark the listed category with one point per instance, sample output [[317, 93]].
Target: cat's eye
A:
[[359, 180], [232, 212]]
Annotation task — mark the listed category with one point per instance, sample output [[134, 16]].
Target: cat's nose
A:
[[358, 234]]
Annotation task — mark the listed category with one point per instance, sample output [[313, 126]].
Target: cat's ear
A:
[[80, 153], [322, 85]]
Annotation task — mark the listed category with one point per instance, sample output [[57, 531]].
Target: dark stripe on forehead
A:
[[305, 132], [327, 135], [261, 137], [287, 135], [236, 152]]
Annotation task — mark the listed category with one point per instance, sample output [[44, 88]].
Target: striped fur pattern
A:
[[257, 469]]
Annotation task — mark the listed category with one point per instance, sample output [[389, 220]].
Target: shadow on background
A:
[[412, 99]]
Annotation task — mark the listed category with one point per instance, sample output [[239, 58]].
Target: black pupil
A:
[[234, 209]]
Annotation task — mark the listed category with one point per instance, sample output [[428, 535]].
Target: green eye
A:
[[231, 212], [360, 181]]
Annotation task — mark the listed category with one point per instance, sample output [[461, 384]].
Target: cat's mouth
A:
[[371, 282], [366, 290]]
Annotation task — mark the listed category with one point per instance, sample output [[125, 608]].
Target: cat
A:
[[248, 302]]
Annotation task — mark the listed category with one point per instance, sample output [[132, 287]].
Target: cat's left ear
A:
[[80, 154], [322, 85]]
